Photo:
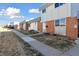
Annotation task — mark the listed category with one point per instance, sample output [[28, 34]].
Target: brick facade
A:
[[25, 26], [50, 27], [39, 26], [71, 31]]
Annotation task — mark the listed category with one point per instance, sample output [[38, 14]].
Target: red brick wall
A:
[[70, 30], [39, 26], [20, 26], [50, 27]]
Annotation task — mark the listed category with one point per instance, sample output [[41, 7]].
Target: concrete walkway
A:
[[42, 48]]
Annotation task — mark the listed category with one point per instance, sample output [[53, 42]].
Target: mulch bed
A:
[[61, 43]]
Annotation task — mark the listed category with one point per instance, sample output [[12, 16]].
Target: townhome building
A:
[[33, 24], [24, 25], [60, 18]]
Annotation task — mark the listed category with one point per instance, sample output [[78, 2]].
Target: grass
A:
[[12, 45]]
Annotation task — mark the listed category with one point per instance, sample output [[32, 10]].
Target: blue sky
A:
[[26, 10]]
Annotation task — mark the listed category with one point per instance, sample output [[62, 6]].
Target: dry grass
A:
[[11, 45]]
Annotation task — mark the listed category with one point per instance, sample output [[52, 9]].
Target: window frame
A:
[[56, 23], [59, 4], [44, 10], [60, 23], [56, 5]]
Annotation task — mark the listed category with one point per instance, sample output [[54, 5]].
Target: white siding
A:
[[24, 26], [53, 13], [75, 9], [33, 26], [62, 11], [44, 27], [60, 30], [49, 12], [43, 16]]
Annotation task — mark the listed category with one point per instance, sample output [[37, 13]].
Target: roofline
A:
[[34, 20], [45, 5]]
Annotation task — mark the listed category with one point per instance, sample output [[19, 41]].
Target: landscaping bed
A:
[[61, 43], [29, 32]]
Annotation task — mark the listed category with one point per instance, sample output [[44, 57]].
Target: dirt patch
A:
[[59, 42]]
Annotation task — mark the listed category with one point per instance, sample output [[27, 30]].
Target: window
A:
[[61, 3], [44, 10], [57, 22], [58, 4], [60, 22]]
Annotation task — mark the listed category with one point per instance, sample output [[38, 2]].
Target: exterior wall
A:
[[71, 27], [25, 26], [61, 29], [53, 13], [39, 26], [44, 27], [20, 26], [43, 16], [62, 11], [33, 26], [50, 27], [75, 10], [16, 26]]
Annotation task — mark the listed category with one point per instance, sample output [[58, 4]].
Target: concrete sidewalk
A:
[[42, 48]]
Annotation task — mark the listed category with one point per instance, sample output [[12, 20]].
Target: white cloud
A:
[[33, 10], [12, 11]]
